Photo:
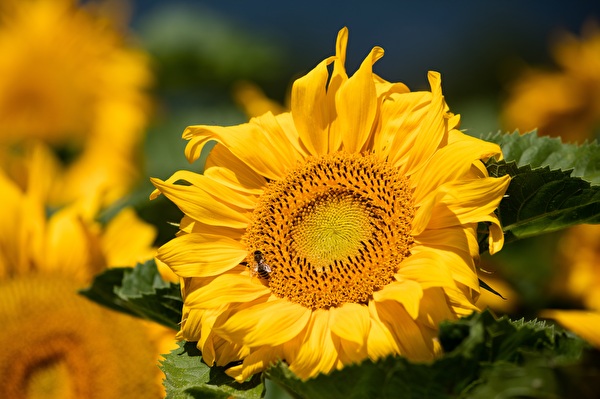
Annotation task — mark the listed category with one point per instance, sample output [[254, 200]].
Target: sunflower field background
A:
[[94, 98]]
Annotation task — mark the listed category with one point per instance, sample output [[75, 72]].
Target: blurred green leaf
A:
[[540, 151], [187, 377], [138, 291], [478, 349], [195, 47], [543, 200]]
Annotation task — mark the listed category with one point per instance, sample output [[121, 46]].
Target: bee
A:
[[260, 266]]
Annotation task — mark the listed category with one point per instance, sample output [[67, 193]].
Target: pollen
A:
[[334, 230]]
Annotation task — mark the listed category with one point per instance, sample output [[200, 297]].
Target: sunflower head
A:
[[341, 230], [56, 343], [69, 78]]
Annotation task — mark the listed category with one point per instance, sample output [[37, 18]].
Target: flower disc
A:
[[334, 231]]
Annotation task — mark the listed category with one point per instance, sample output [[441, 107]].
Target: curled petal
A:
[[310, 109], [356, 103], [200, 205]]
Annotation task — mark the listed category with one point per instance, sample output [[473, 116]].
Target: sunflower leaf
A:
[[187, 377], [138, 291], [540, 151], [101, 290], [541, 200], [480, 350]]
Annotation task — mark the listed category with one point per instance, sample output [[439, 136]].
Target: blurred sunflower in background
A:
[[577, 282], [70, 77], [73, 112], [352, 218], [56, 343], [564, 102]]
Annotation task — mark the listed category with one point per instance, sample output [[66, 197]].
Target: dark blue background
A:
[[472, 43]]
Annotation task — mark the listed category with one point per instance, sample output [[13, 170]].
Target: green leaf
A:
[[187, 377], [543, 200], [478, 349], [540, 151], [138, 291], [102, 290]]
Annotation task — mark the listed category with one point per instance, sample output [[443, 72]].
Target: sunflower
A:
[[578, 280], [56, 343], [69, 77], [564, 102], [342, 230]]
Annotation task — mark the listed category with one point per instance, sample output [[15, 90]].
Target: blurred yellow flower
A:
[[68, 77], [55, 343], [565, 102], [578, 280], [342, 230], [579, 275], [586, 324], [253, 100]]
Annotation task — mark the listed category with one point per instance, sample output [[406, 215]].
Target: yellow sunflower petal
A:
[[431, 129], [381, 341], [337, 79], [427, 268], [430, 311], [229, 193], [192, 324], [310, 110], [188, 225], [68, 246], [127, 240], [450, 163], [351, 322], [286, 122], [584, 323], [460, 264], [254, 363], [224, 289], [204, 255], [227, 352], [356, 103], [385, 89], [216, 350], [283, 139], [202, 206], [460, 202], [317, 353], [477, 198], [457, 238], [405, 331], [242, 140], [237, 175], [339, 75], [255, 325], [454, 123], [401, 115], [406, 292]]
